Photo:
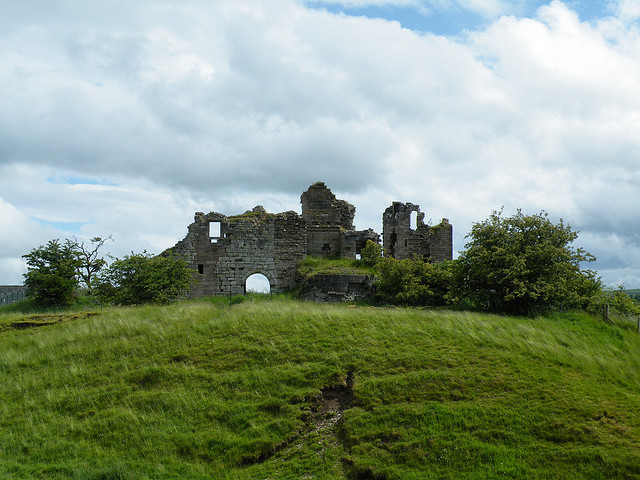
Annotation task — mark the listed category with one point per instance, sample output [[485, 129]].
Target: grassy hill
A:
[[284, 389]]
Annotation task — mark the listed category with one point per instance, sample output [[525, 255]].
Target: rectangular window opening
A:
[[214, 231], [200, 268]]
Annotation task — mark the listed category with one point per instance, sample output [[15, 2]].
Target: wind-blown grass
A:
[[204, 389]]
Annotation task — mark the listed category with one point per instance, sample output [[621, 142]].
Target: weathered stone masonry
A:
[[256, 242], [402, 240], [224, 251], [330, 231], [12, 293]]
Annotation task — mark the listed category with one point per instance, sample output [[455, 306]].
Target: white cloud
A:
[[628, 10], [139, 215], [17, 233], [193, 106]]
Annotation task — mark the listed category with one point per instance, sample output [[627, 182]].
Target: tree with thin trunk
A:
[[89, 260]]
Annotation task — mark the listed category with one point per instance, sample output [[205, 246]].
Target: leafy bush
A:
[[143, 278], [619, 302], [371, 254], [524, 264], [414, 282]]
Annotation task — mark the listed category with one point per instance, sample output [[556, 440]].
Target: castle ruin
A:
[[405, 234], [225, 251]]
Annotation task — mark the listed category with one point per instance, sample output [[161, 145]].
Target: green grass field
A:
[[271, 389]]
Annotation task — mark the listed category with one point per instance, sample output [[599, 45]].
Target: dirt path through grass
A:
[[320, 435]]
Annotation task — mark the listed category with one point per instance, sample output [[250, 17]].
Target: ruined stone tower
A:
[[330, 231], [321, 208], [405, 235]]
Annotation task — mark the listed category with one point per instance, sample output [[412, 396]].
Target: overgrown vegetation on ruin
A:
[[519, 265], [311, 266], [276, 388]]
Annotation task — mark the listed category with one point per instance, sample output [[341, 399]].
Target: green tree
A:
[[51, 276], [89, 262], [524, 264], [143, 278]]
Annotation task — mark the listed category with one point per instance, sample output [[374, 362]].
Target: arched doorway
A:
[[257, 283]]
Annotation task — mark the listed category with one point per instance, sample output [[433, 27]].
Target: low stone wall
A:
[[11, 293], [337, 288]]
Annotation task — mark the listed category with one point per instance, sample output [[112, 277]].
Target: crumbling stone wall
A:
[[12, 293], [321, 208], [337, 288], [401, 240], [330, 230], [327, 218], [8, 289], [224, 251], [255, 242], [324, 241], [353, 242]]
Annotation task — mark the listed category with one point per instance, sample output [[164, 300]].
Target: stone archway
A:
[[257, 282]]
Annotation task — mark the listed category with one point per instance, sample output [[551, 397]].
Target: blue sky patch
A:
[[442, 22], [78, 180], [70, 227], [455, 19], [590, 11]]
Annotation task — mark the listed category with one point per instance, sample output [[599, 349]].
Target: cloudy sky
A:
[[124, 118]]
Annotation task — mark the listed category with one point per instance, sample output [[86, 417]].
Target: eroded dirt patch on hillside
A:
[[319, 433], [331, 403]]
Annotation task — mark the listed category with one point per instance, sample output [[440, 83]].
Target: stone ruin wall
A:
[[256, 242], [330, 230], [273, 244], [321, 208], [401, 240], [12, 293], [337, 288]]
